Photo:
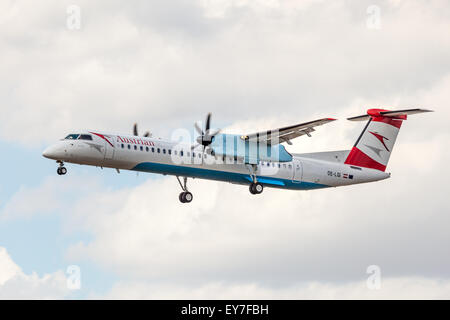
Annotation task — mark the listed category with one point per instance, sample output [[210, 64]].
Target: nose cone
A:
[[47, 153], [51, 153]]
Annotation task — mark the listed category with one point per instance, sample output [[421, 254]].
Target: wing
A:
[[286, 134]]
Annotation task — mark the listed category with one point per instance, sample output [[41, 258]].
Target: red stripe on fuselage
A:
[[103, 137], [360, 159]]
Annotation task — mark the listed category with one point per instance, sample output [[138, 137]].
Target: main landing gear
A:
[[61, 169], [185, 196], [255, 187]]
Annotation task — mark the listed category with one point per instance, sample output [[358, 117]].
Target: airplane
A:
[[258, 160]]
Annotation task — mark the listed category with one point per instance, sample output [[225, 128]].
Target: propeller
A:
[[205, 137], [135, 131]]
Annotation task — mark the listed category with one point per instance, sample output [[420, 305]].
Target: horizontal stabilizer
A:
[[387, 113]]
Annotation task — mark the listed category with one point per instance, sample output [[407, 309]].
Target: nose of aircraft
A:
[[51, 152]]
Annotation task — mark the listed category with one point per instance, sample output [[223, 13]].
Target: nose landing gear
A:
[[61, 169], [185, 196]]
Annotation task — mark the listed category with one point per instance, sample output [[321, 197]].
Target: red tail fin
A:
[[374, 146]]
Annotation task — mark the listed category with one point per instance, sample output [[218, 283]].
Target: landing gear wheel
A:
[[185, 197], [256, 188], [61, 171], [188, 197]]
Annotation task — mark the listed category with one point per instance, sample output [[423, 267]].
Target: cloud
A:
[[167, 64], [394, 288], [14, 284], [51, 196], [255, 65]]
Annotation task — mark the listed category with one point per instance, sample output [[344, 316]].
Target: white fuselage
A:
[[305, 171]]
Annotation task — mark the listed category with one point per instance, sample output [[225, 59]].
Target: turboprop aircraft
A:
[[258, 160]]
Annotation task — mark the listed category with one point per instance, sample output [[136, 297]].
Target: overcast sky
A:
[[255, 65]]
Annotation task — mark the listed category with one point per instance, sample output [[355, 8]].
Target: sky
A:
[[262, 64]]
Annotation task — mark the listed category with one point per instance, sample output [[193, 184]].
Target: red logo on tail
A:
[[381, 138]]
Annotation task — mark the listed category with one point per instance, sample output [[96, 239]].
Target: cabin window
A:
[[129, 147], [159, 150], [181, 153], [123, 146], [164, 151], [290, 167], [142, 148], [279, 165], [170, 151], [85, 137], [153, 149], [146, 149], [135, 147]]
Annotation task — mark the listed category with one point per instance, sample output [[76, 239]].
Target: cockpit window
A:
[[85, 137], [72, 136]]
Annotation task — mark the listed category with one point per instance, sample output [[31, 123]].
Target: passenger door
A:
[[109, 147], [297, 171]]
